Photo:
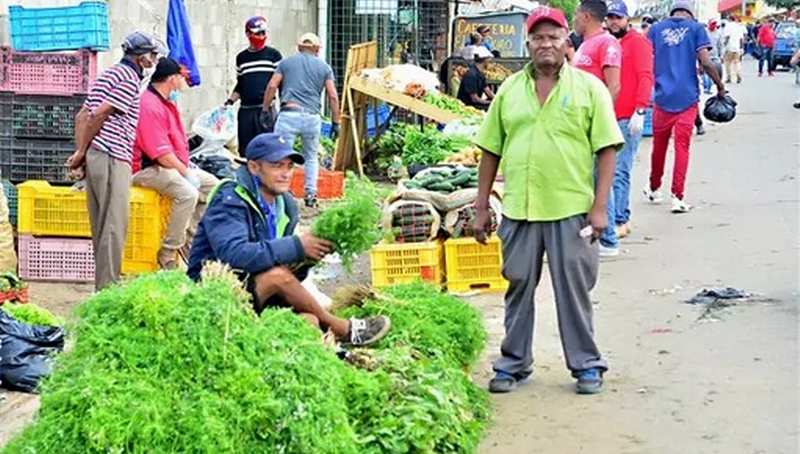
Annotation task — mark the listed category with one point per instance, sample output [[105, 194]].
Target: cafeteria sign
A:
[[507, 32]]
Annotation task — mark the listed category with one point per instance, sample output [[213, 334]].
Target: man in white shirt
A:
[[733, 40]]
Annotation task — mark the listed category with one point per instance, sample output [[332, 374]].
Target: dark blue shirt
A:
[[676, 42]]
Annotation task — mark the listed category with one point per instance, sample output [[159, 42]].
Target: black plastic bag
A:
[[720, 109], [25, 352], [219, 166]]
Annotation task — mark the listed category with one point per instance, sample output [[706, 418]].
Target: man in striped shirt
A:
[[254, 69], [105, 130]]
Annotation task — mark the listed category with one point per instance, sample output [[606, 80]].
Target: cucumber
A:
[[443, 187], [460, 179]]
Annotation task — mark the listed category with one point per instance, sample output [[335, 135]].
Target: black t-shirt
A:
[[473, 82], [254, 69]]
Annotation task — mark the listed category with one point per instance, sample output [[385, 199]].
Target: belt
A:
[[293, 109]]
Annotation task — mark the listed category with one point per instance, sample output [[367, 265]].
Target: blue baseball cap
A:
[[617, 8], [272, 147]]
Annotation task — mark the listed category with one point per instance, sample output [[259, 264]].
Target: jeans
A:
[[622, 175], [307, 126], [707, 83], [608, 237], [766, 56]]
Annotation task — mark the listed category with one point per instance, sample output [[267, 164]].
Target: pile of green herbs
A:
[[352, 222], [424, 145], [31, 314], [162, 364]]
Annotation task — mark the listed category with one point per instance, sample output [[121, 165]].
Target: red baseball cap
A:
[[546, 13]]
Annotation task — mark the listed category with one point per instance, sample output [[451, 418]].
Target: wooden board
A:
[[353, 108], [402, 100]]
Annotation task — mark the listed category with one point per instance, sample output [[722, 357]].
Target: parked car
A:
[[788, 39]]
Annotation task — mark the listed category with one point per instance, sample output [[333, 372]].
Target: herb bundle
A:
[[352, 223]]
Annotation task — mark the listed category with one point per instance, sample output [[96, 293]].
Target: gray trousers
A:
[[573, 263], [108, 182]]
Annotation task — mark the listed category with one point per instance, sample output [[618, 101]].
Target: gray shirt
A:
[[304, 77]]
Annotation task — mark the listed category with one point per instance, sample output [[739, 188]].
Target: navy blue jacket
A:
[[233, 231]]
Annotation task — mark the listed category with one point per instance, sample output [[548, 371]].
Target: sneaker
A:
[[760, 75], [605, 251], [739, 80], [654, 197], [796, 105], [771, 74], [623, 230], [168, 259], [590, 381], [701, 130], [367, 331], [311, 201], [679, 206], [503, 382]]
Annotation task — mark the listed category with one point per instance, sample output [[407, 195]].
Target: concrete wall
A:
[[217, 33]]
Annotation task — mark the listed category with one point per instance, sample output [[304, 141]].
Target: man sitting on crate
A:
[[249, 224], [161, 160]]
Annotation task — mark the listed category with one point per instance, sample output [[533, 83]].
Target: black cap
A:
[[166, 67]]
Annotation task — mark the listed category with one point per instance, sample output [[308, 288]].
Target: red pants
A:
[[663, 125]]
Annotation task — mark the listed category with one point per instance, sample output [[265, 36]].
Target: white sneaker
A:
[[679, 206], [605, 251], [653, 197]]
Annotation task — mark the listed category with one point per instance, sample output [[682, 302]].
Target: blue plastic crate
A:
[[383, 111], [64, 28], [647, 129]]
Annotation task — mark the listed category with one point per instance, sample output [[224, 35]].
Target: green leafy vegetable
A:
[[31, 314], [351, 223], [161, 364]]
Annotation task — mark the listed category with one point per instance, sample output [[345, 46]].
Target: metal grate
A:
[[406, 31]]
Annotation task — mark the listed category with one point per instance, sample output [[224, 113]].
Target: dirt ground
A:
[[681, 380]]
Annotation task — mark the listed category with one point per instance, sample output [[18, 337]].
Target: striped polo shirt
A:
[[119, 86]]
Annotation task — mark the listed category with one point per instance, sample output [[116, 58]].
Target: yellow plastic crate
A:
[[46, 210], [473, 266], [406, 262]]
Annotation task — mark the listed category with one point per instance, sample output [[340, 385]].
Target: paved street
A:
[[724, 384]]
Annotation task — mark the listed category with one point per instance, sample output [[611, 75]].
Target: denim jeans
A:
[[608, 237], [307, 127], [622, 175], [766, 56]]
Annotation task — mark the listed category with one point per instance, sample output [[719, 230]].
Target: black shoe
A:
[[701, 130], [311, 201], [796, 105], [367, 331]]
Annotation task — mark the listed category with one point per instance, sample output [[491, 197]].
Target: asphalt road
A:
[[681, 382]]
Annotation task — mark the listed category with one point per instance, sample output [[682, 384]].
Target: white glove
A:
[[636, 124], [193, 179]]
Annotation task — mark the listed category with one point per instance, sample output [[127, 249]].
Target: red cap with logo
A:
[[546, 13]]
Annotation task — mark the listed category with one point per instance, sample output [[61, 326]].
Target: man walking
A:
[[255, 67], [766, 42], [733, 39], [548, 123], [679, 42], [599, 53], [105, 129], [630, 107], [301, 79], [161, 161]]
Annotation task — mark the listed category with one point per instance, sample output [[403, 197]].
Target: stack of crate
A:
[[46, 76]]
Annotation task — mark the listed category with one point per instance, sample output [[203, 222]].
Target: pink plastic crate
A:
[[47, 73], [56, 259]]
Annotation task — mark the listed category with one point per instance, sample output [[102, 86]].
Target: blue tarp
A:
[[179, 40]]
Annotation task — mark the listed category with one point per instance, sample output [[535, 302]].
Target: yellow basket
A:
[[46, 210], [473, 266], [406, 262]]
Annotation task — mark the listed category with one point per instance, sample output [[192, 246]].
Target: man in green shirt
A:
[[546, 126]]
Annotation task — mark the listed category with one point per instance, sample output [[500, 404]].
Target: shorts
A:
[[259, 306]]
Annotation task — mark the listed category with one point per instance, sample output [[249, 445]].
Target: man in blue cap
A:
[[249, 225]]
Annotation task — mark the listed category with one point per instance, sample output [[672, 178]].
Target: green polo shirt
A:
[[547, 151]]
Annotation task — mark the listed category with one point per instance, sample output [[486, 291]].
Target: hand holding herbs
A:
[[351, 223]]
